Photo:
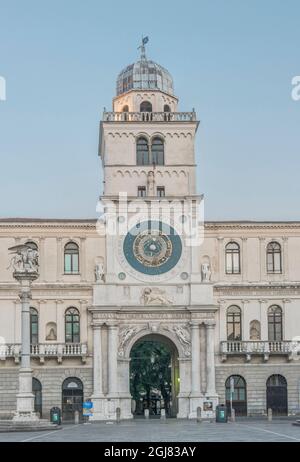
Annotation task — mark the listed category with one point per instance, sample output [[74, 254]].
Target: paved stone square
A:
[[172, 430]]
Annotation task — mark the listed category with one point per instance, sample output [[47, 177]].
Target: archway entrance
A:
[[154, 376], [277, 395], [72, 398], [37, 391], [239, 395]]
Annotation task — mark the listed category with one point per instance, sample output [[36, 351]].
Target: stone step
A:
[[42, 425]]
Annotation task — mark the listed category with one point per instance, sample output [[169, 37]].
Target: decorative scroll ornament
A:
[[24, 259]]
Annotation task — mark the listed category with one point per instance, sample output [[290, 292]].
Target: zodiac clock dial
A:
[[152, 247]]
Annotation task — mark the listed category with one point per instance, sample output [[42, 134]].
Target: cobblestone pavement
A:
[[168, 431]]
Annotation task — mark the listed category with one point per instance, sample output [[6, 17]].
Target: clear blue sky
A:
[[233, 60]]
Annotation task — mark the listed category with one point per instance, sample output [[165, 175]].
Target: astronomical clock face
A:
[[152, 248]]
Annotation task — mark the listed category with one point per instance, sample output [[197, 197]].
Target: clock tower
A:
[[154, 282]]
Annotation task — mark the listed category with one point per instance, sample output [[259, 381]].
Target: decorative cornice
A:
[[90, 224]]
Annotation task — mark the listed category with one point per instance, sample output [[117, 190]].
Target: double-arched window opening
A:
[[150, 154]]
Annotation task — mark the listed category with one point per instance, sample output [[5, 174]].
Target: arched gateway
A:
[[154, 376], [187, 377]]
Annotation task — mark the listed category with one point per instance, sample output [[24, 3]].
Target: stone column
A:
[[97, 361], [25, 398], [113, 330], [196, 380], [210, 359]]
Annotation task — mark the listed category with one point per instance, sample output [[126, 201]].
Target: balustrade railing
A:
[[45, 349], [259, 347], [149, 116]]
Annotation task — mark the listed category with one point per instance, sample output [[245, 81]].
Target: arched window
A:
[[32, 245], [71, 258], [234, 330], [236, 386], [274, 258], [146, 106], [254, 330], [167, 108], [34, 326], [142, 152], [277, 398], [275, 323], [232, 257], [157, 151], [72, 326], [125, 109], [37, 392]]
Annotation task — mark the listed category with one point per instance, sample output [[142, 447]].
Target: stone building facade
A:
[[227, 307]]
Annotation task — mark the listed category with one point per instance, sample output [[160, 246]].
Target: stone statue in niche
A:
[[151, 183], [254, 330], [205, 272], [51, 334], [99, 272], [155, 296]]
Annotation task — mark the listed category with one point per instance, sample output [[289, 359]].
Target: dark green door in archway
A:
[[277, 399], [154, 379]]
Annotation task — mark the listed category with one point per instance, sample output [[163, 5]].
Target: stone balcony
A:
[[42, 351], [288, 348], [149, 116]]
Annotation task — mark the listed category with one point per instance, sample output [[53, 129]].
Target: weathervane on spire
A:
[[142, 48]]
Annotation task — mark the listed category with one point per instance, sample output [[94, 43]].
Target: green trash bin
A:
[[221, 414], [55, 415]]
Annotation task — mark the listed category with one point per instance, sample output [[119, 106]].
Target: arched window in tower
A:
[[142, 152], [275, 323], [71, 258], [157, 151], [232, 258], [234, 323], [167, 108], [146, 106], [125, 108], [34, 326], [274, 257], [72, 326]]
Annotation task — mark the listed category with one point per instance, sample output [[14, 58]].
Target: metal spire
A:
[[143, 48]]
